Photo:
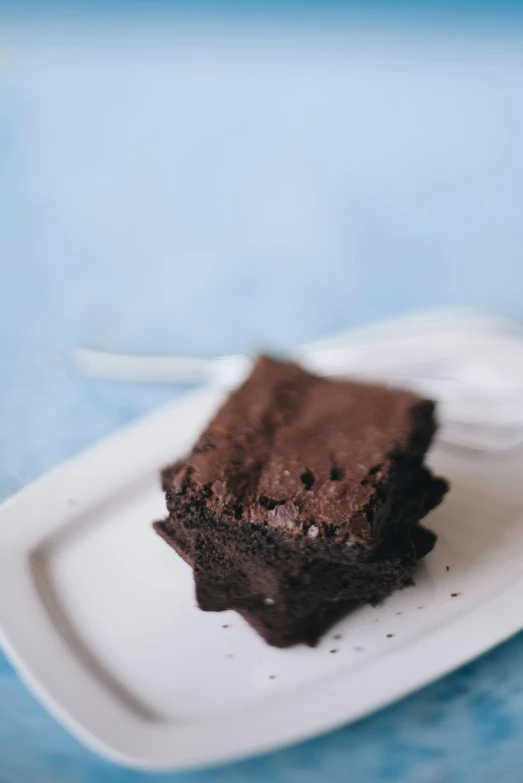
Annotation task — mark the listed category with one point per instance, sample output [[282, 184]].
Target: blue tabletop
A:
[[172, 187]]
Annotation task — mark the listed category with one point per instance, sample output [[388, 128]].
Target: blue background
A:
[[167, 184]]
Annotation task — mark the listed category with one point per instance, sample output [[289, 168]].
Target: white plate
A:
[[98, 614]]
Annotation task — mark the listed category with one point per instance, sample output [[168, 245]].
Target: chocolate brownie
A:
[[302, 499]]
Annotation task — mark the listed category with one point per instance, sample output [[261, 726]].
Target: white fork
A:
[[471, 364]]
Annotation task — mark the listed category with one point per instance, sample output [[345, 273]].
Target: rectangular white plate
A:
[[99, 617]]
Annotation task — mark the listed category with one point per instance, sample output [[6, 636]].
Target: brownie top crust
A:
[[304, 454]]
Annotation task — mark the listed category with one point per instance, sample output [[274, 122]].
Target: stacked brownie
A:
[[302, 499]]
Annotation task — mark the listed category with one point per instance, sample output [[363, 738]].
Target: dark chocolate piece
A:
[[302, 498]]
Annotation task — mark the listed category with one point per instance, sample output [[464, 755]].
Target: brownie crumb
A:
[[272, 676], [447, 568], [399, 612], [333, 651], [337, 636], [390, 635], [226, 626], [454, 595]]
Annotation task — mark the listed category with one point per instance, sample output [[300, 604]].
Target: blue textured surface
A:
[[167, 197]]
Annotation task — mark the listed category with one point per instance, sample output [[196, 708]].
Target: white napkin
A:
[[471, 364]]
